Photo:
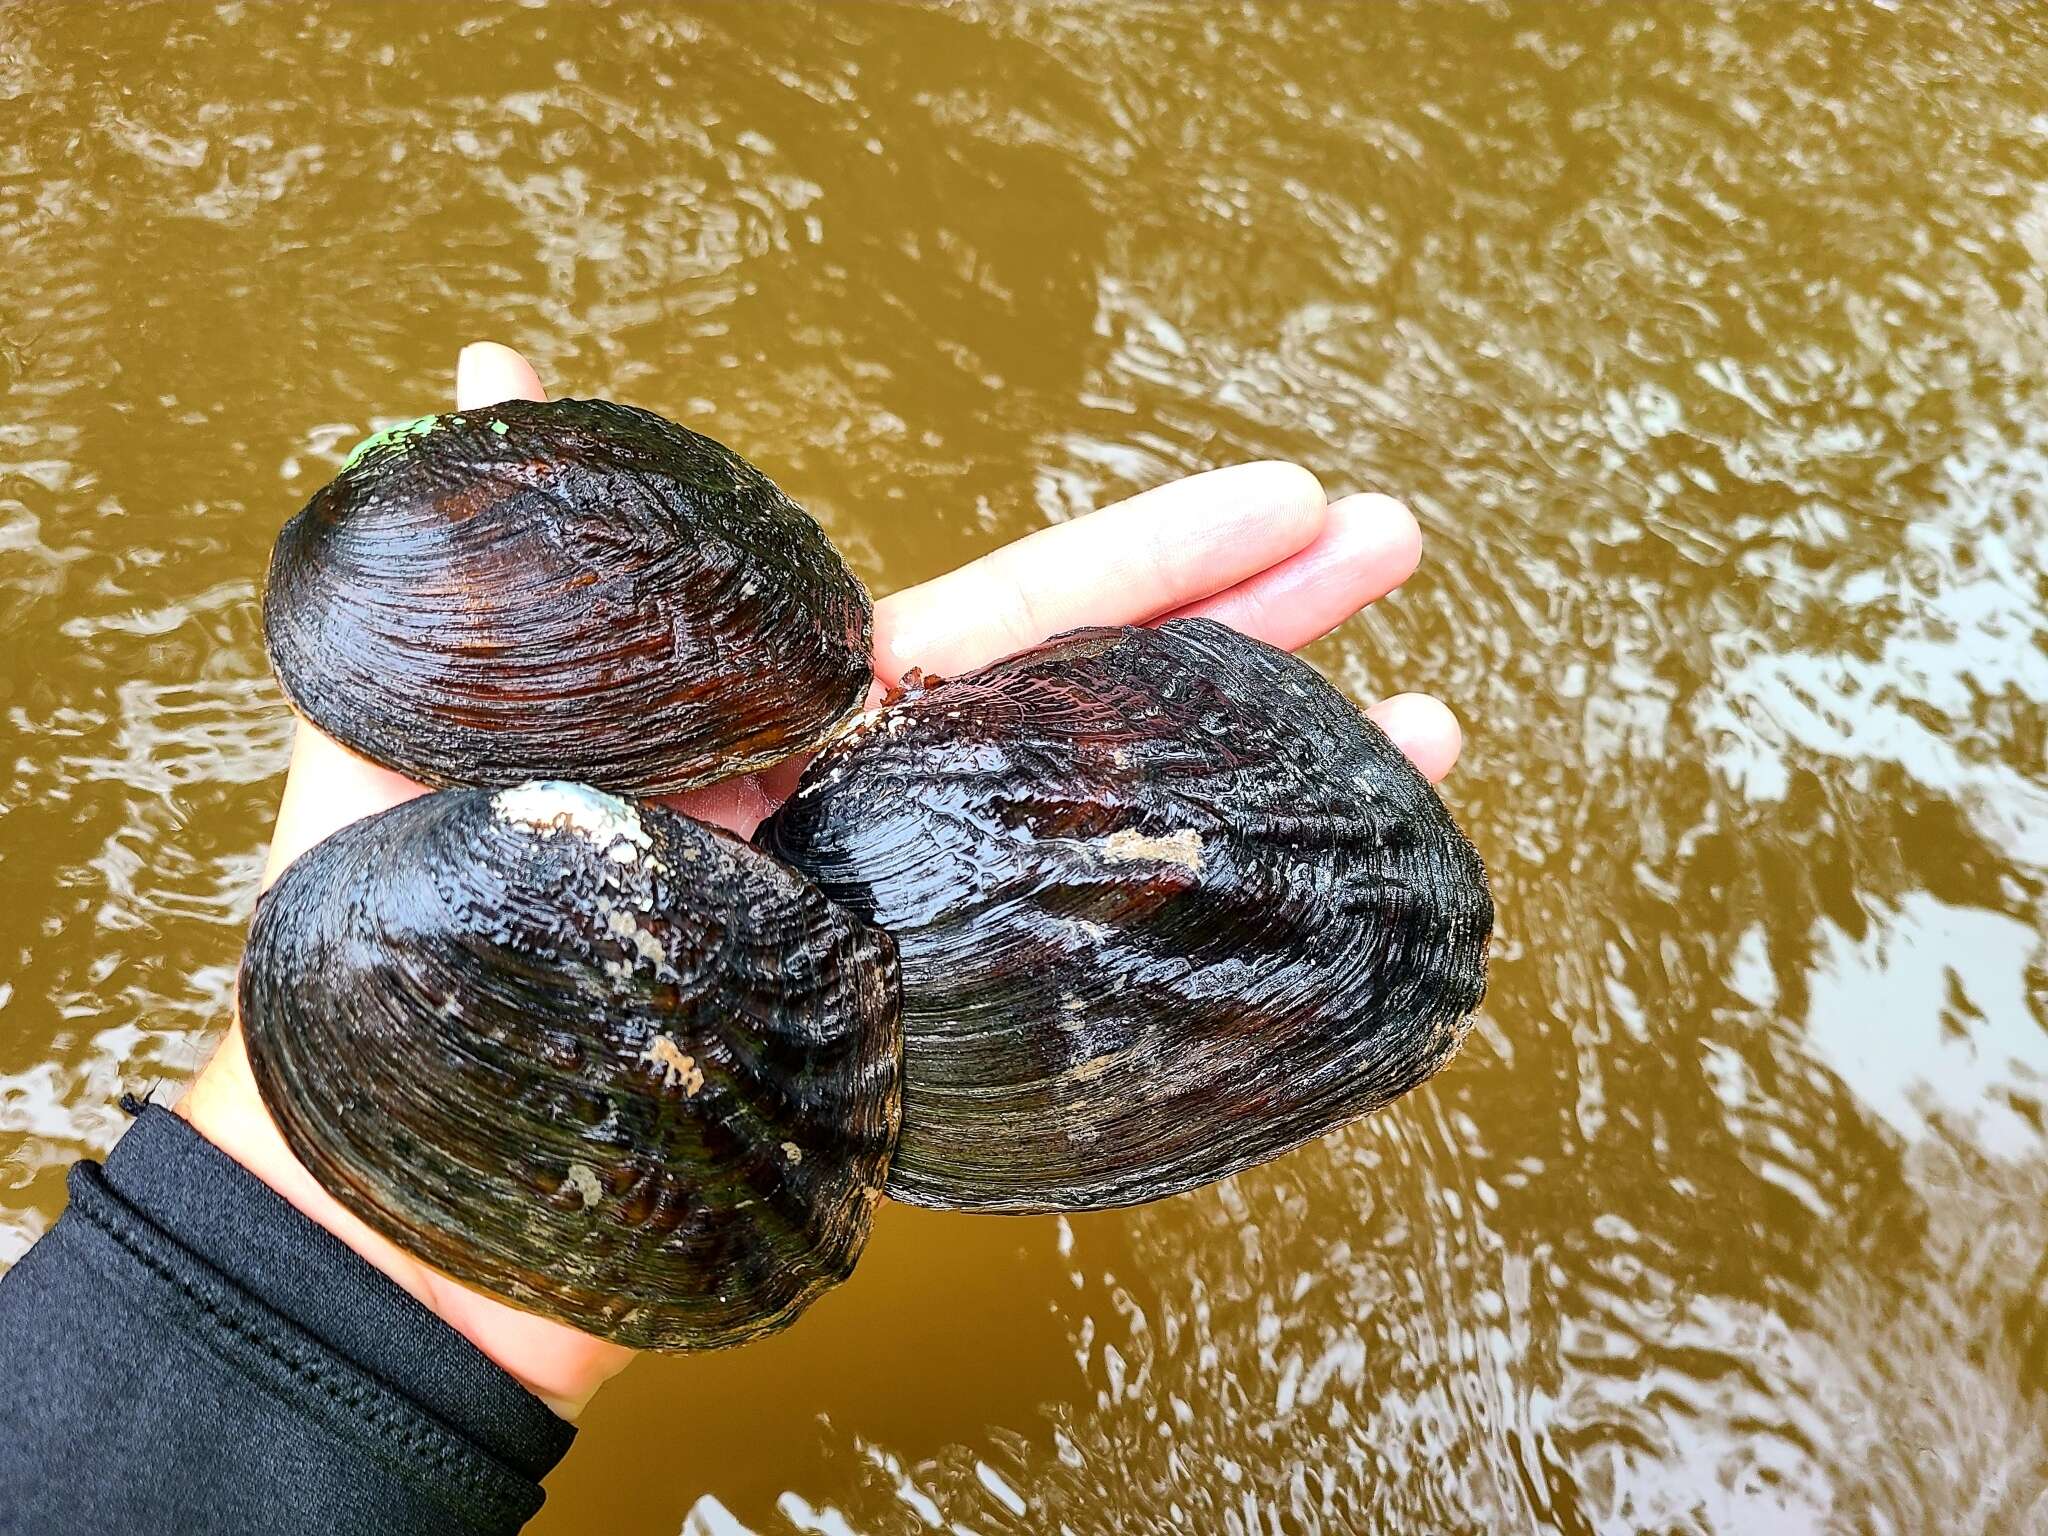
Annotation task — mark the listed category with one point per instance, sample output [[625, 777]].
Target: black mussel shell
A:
[[591, 1056], [575, 590], [1166, 904]]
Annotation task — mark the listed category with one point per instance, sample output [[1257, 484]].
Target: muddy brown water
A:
[[1706, 341]]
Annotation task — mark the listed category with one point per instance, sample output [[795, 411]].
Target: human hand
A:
[[1255, 546]]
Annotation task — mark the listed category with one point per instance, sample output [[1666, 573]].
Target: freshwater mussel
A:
[[592, 1056], [576, 590], [1166, 905]]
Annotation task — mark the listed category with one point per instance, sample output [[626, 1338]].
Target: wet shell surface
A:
[[1166, 905], [596, 1058], [575, 590]]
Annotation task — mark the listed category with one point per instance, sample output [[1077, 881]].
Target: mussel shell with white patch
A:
[[1166, 904], [573, 589], [596, 1058]]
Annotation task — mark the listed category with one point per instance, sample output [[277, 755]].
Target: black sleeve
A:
[[184, 1352]]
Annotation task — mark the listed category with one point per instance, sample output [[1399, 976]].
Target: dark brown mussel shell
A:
[[575, 590], [591, 1056], [1166, 904]]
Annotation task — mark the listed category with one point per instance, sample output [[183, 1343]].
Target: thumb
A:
[[488, 372]]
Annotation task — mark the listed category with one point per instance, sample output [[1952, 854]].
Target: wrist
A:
[[560, 1366]]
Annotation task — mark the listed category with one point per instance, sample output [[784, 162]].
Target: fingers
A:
[[487, 372], [1141, 558], [1369, 545], [1426, 732], [1245, 546]]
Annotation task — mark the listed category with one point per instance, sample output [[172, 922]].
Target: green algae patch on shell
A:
[[590, 1056], [1166, 905], [572, 589]]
